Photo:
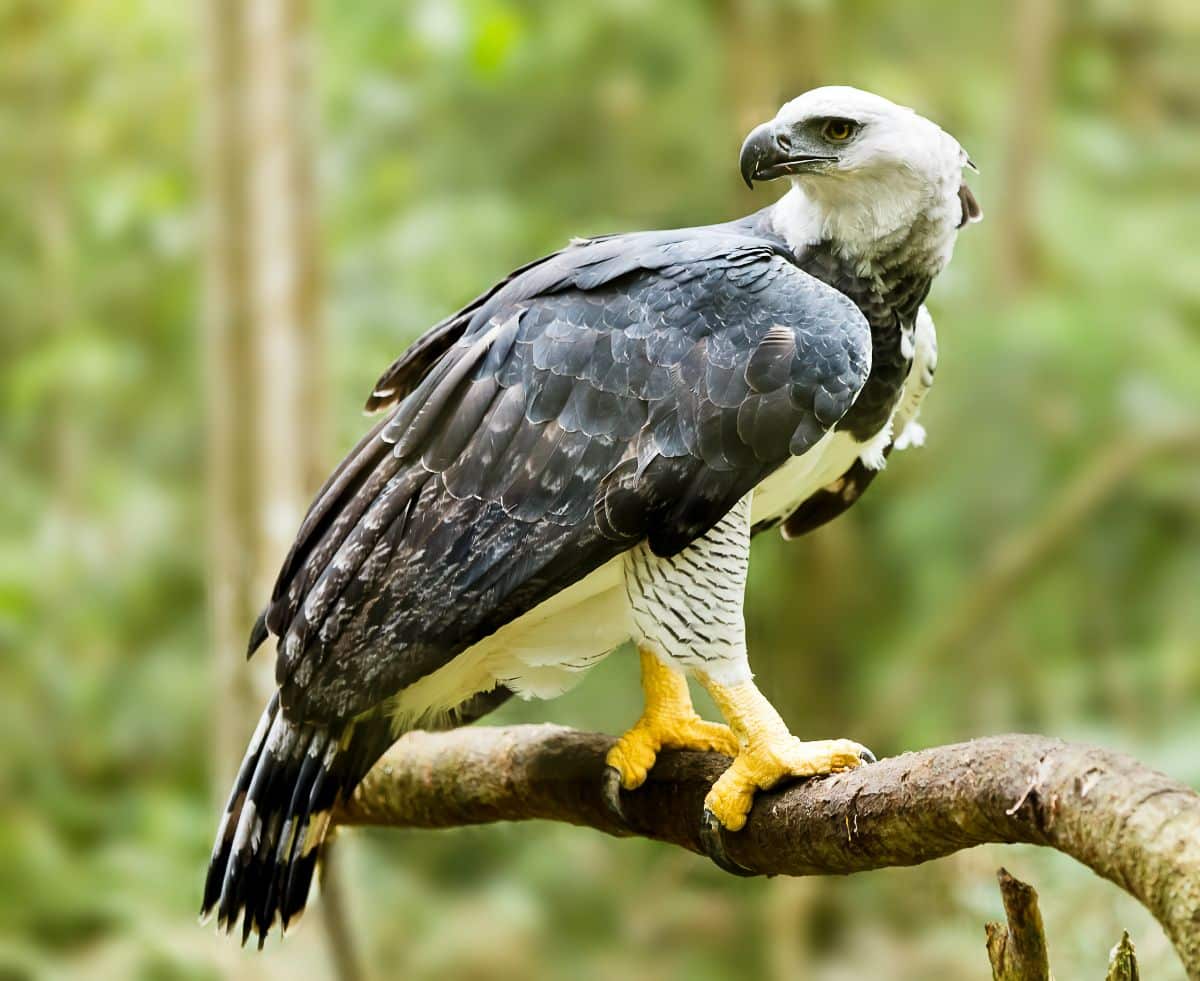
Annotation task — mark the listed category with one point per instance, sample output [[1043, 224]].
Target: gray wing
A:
[[627, 389]]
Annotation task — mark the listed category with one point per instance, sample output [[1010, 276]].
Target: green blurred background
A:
[[1035, 567]]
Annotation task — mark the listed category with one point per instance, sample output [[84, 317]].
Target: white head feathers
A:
[[896, 177]]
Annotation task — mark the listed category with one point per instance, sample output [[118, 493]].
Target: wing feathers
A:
[[418, 417], [461, 425], [770, 366], [633, 387]]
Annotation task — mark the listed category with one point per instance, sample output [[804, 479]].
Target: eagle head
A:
[[863, 168]]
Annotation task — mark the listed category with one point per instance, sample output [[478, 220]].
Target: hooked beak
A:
[[765, 156]]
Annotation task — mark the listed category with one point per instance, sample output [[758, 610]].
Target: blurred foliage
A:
[[458, 139]]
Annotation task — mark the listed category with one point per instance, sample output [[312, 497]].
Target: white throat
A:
[[875, 222]]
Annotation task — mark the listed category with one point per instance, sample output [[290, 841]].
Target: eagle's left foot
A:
[[767, 755], [763, 765], [668, 722]]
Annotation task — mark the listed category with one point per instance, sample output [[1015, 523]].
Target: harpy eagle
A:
[[579, 457]]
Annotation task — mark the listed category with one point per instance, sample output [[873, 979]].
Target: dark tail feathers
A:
[[270, 837]]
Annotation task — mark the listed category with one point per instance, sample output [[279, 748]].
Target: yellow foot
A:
[[668, 722], [761, 766], [635, 752]]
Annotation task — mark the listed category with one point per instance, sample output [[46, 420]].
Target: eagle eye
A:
[[838, 130]]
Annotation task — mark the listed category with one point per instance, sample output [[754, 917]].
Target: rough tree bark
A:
[[1127, 823]]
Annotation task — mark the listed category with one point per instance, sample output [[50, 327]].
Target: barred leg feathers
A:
[[269, 842]]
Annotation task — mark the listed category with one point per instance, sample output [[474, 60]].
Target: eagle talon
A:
[[611, 792], [867, 756], [712, 840]]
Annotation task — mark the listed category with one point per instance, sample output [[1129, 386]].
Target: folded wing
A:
[[627, 388]]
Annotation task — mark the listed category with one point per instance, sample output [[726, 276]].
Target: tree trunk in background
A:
[[230, 373], [265, 404], [773, 53], [1036, 30], [284, 283], [264, 385]]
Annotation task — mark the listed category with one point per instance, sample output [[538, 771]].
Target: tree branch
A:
[[1122, 962], [1126, 822], [1017, 949]]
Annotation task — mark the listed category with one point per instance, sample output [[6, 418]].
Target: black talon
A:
[[611, 791], [712, 840], [867, 756]]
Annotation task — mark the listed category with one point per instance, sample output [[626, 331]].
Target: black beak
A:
[[766, 155]]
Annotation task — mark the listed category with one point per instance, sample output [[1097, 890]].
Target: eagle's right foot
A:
[[668, 722], [635, 752]]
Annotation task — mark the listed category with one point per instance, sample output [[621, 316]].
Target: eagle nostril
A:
[[783, 141]]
